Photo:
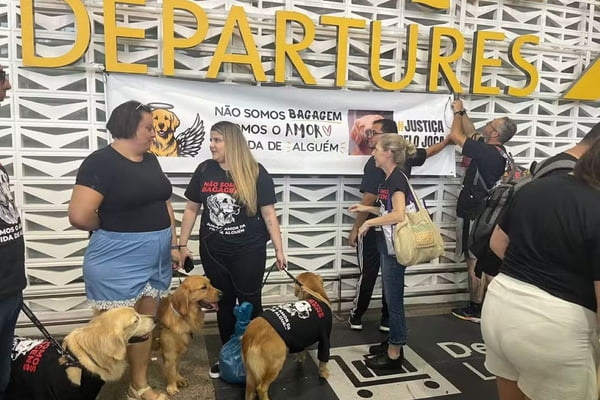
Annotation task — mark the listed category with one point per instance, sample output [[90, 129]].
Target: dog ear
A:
[[181, 300], [116, 344], [298, 291], [99, 340], [176, 122], [321, 288]]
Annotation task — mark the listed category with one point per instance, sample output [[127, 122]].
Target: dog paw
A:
[[182, 382], [323, 370], [172, 389]]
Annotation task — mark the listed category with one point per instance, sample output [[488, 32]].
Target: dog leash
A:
[[292, 277], [297, 282], [71, 359]]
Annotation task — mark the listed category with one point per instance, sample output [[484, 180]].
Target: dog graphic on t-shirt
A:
[[222, 209], [300, 308], [8, 211]]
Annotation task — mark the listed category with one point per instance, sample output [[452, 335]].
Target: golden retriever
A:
[[165, 122], [302, 323], [180, 316], [100, 347]]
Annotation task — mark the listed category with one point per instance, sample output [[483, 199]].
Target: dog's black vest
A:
[[301, 324], [37, 375]]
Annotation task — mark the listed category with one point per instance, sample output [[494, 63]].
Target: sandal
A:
[[137, 394]]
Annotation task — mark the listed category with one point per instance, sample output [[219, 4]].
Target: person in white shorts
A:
[[539, 317]]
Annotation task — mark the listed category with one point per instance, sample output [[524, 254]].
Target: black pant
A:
[[368, 275], [239, 276], [10, 306]]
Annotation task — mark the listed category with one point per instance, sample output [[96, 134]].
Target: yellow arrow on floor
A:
[[586, 87]]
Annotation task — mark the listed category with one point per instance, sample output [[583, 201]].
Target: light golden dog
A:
[[180, 316], [165, 123], [100, 347], [263, 349]]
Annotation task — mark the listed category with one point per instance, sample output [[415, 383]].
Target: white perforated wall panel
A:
[[53, 118]]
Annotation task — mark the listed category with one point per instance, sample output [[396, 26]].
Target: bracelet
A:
[[177, 246], [461, 112]]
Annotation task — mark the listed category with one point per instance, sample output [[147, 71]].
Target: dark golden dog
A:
[[180, 316], [100, 347], [165, 123], [264, 350]]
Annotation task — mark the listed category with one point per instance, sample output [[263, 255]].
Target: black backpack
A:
[[499, 197]]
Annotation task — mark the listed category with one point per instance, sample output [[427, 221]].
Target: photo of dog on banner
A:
[[122, 197]]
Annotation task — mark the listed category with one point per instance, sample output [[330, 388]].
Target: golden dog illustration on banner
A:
[[166, 144]]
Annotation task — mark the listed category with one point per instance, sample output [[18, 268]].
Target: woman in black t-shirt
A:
[[539, 316], [122, 195], [393, 201], [237, 197]]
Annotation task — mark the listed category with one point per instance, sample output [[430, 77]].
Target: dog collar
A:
[[70, 359]]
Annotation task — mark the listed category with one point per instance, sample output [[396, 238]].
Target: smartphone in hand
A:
[[188, 264]]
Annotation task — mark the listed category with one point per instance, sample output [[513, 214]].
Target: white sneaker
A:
[[214, 371]]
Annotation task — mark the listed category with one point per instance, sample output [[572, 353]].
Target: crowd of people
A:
[[541, 295], [540, 316]]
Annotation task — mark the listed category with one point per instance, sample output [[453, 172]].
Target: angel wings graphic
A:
[[167, 144]]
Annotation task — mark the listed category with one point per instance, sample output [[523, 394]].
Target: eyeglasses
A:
[[143, 107], [369, 133], [492, 126], [3, 76]]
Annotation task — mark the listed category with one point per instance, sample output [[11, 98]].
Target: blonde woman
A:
[[393, 199], [237, 197]]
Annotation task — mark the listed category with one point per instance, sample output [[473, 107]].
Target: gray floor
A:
[[194, 367], [444, 360]]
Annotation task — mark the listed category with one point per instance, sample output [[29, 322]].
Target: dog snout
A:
[[161, 125]]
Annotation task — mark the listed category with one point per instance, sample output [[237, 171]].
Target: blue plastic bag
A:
[[231, 365]]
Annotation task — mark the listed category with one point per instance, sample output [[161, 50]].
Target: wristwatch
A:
[[461, 112]]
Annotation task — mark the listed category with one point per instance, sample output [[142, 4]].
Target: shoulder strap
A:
[[412, 192], [503, 153], [545, 168], [479, 178], [537, 166], [389, 205], [510, 163]]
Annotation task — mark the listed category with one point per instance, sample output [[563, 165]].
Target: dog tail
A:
[[251, 356]]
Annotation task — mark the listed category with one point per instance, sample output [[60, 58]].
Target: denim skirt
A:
[[121, 267]]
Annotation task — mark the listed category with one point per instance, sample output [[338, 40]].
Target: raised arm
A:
[[436, 148], [462, 127]]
